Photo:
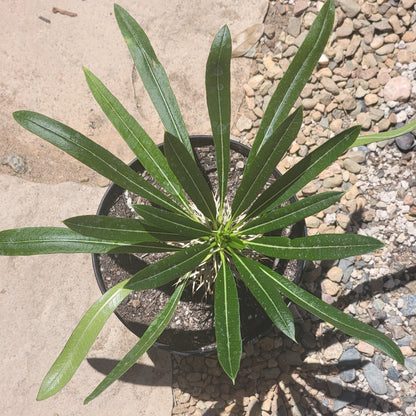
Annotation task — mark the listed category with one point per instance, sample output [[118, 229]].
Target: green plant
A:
[[188, 219]]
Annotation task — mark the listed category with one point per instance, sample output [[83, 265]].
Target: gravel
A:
[[327, 372]]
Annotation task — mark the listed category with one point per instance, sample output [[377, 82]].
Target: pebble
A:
[[350, 7], [348, 360], [16, 163], [409, 305], [406, 142], [397, 89], [375, 378], [352, 166], [333, 352], [335, 274], [330, 85], [244, 123], [410, 364]]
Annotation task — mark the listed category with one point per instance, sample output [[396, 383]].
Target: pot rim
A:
[[197, 141]]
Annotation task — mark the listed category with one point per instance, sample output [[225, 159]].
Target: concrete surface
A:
[[41, 70], [43, 297]]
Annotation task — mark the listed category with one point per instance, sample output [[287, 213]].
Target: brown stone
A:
[[398, 89]]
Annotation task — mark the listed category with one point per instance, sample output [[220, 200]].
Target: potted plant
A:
[[187, 219]]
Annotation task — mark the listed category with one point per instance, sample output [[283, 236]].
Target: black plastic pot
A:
[[257, 328]]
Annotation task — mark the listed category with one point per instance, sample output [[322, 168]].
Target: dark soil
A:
[[192, 325]]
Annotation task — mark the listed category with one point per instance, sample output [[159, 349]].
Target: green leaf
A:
[[315, 247], [217, 81], [170, 222], [126, 230], [87, 330], [190, 176], [137, 139], [267, 295], [153, 76], [170, 268], [153, 247], [227, 321], [297, 75], [260, 166], [291, 214], [92, 155], [386, 135], [146, 341], [49, 240], [304, 171], [328, 313], [80, 341]]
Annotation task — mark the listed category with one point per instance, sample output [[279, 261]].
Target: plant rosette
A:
[[191, 329], [195, 226]]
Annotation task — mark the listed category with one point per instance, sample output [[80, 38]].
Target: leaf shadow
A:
[[140, 373]]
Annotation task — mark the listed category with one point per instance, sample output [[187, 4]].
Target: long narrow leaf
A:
[[227, 321], [126, 230], [137, 139], [171, 222], [260, 166], [291, 214], [189, 175], [217, 82], [49, 240], [297, 75], [267, 295], [328, 313], [153, 76], [153, 247], [92, 155], [169, 268], [80, 341], [304, 171], [87, 330], [315, 247], [386, 135], [146, 341]]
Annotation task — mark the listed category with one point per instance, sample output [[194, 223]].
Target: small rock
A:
[[334, 351], [255, 82], [349, 103], [334, 273], [384, 124], [404, 56], [350, 7], [371, 99], [309, 103], [393, 374], [375, 378], [352, 166], [16, 162], [410, 364], [344, 31], [365, 348], [244, 123], [347, 397], [406, 142], [299, 7], [397, 89], [334, 386], [385, 49], [293, 26], [329, 287], [343, 220], [365, 120], [330, 85], [409, 305]]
